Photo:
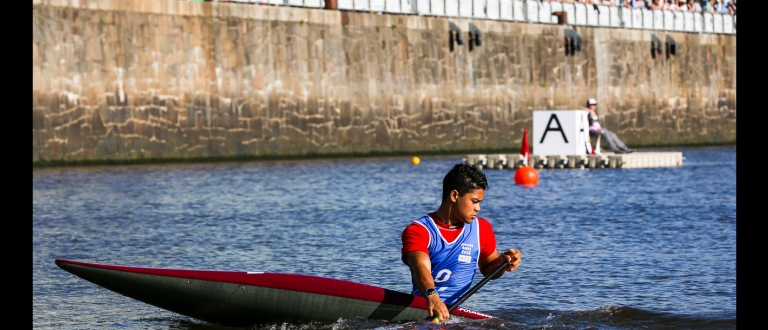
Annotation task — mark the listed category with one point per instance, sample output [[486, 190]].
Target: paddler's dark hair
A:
[[464, 178]]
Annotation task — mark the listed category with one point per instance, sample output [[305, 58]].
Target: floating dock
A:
[[605, 160]]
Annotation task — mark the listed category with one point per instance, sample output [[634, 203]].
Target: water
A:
[[602, 249]]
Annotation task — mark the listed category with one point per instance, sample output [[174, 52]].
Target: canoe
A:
[[239, 298]]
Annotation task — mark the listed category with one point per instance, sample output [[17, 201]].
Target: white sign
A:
[[560, 132], [718, 23], [728, 24], [688, 17], [637, 18], [591, 13], [669, 20], [493, 9], [505, 8], [532, 11], [581, 14], [545, 13], [604, 15], [658, 19], [615, 18], [519, 10], [647, 19], [679, 21], [465, 8], [570, 9], [626, 17], [448, 7]]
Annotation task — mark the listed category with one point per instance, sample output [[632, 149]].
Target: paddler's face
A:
[[467, 206]]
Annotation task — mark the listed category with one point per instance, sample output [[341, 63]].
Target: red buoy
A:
[[527, 176]]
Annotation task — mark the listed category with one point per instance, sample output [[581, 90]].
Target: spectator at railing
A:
[[706, 6], [732, 7], [677, 5], [635, 4], [690, 6], [693, 6], [721, 6], [656, 5]]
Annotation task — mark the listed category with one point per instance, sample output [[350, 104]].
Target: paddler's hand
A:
[[437, 308], [514, 256]]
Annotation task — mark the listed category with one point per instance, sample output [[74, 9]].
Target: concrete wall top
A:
[[207, 9]]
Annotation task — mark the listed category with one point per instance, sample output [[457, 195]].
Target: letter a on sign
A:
[[558, 128], [572, 136]]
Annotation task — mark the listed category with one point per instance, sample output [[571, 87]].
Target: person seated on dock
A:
[[595, 130]]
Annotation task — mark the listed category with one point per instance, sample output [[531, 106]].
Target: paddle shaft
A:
[[478, 285]]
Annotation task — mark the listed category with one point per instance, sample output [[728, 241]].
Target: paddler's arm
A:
[[421, 270], [490, 263]]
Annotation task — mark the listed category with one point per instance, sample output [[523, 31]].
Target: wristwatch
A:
[[430, 292]]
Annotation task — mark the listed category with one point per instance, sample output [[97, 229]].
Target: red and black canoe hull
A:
[[235, 298]]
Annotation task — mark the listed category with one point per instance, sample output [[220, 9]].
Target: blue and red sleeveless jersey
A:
[[453, 264]]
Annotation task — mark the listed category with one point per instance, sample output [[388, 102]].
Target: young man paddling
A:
[[443, 248]]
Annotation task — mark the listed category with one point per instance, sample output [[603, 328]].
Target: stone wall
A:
[[170, 79]]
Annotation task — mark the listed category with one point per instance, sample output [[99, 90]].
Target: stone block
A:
[[496, 161], [538, 161], [615, 161], [597, 161], [479, 160], [515, 161], [556, 161], [577, 161]]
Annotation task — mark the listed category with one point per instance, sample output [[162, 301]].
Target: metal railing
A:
[[578, 14]]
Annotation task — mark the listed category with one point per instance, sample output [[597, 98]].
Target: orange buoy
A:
[[527, 176]]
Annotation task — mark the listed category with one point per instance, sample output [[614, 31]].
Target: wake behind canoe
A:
[[237, 298]]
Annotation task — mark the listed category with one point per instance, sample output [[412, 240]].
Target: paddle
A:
[[474, 289]]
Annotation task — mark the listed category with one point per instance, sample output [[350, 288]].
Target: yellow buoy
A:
[[415, 160]]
